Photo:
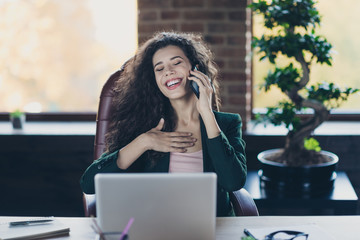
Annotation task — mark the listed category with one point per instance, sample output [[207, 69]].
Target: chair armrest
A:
[[243, 203], [89, 203]]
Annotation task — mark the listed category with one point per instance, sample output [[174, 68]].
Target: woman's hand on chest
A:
[[180, 140], [196, 133]]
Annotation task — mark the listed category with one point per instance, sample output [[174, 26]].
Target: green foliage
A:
[[289, 16], [292, 45], [16, 114], [312, 144], [284, 78], [287, 115], [329, 93], [287, 13]]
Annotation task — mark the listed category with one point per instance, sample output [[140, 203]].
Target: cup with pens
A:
[[113, 235]]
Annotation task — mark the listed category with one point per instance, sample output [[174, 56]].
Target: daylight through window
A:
[[56, 55], [339, 25]]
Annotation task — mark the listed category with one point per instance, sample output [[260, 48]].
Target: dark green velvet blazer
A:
[[224, 155]]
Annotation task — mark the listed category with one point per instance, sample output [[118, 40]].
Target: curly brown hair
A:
[[138, 103]]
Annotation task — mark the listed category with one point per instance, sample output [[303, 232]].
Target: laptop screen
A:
[[163, 205]]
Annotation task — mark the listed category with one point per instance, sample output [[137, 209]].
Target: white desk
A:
[[341, 227]]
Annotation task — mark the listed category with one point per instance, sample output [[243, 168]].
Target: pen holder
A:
[[113, 236]]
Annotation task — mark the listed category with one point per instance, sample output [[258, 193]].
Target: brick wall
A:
[[226, 27]]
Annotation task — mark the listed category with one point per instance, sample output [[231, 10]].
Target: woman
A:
[[160, 125]]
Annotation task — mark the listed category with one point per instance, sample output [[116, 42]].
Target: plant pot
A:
[[305, 181], [17, 122]]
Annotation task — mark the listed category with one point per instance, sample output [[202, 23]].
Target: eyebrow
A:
[[170, 60]]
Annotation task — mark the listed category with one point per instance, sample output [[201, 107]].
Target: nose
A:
[[169, 70]]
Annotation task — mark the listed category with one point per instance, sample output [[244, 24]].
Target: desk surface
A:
[[341, 227]]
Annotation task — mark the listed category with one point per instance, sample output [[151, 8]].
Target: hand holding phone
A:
[[195, 87]]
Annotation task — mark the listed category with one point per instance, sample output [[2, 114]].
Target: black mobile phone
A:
[[194, 86]]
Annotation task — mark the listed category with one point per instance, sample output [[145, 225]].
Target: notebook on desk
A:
[[164, 206]]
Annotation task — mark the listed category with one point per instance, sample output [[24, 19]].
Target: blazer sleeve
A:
[[105, 164], [227, 153]]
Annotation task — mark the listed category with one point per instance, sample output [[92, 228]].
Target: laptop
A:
[[164, 206]]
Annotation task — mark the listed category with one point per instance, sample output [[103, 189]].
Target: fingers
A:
[[170, 141], [158, 140], [181, 146], [160, 125], [178, 140], [178, 134], [204, 80]]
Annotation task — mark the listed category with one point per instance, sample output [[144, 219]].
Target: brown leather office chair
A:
[[242, 202]]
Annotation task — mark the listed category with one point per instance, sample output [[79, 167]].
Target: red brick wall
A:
[[225, 25]]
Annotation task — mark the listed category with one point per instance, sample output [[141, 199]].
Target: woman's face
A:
[[172, 68]]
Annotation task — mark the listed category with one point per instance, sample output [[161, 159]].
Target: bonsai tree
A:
[[293, 23]]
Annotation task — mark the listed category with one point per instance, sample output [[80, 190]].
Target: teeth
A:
[[171, 83]]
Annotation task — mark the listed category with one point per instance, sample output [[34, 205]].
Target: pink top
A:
[[186, 162]]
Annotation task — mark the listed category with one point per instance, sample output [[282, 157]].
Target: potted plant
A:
[[17, 119], [300, 167]]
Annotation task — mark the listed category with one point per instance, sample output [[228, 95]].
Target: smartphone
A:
[[194, 86]]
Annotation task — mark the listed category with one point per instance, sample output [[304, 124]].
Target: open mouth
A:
[[173, 83]]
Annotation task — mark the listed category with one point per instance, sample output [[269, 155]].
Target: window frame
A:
[[354, 116], [55, 116]]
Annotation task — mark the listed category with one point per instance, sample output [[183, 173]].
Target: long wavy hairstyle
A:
[[139, 104]]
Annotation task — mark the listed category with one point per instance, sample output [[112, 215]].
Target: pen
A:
[[126, 229], [29, 222], [97, 229], [249, 234]]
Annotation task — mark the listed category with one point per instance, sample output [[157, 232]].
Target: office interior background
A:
[[40, 167]]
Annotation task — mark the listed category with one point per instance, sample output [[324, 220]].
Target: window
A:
[[55, 55], [339, 25]]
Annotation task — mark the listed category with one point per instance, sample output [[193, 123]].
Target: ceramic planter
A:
[[17, 122], [306, 181]]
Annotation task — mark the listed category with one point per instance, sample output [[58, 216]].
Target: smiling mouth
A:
[[171, 84]]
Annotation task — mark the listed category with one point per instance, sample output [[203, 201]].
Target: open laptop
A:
[[164, 206]]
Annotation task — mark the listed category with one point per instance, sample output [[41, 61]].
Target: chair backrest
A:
[[102, 126], [243, 203], [104, 113]]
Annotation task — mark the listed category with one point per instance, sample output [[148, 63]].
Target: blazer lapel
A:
[[162, 165], [206, 157]]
